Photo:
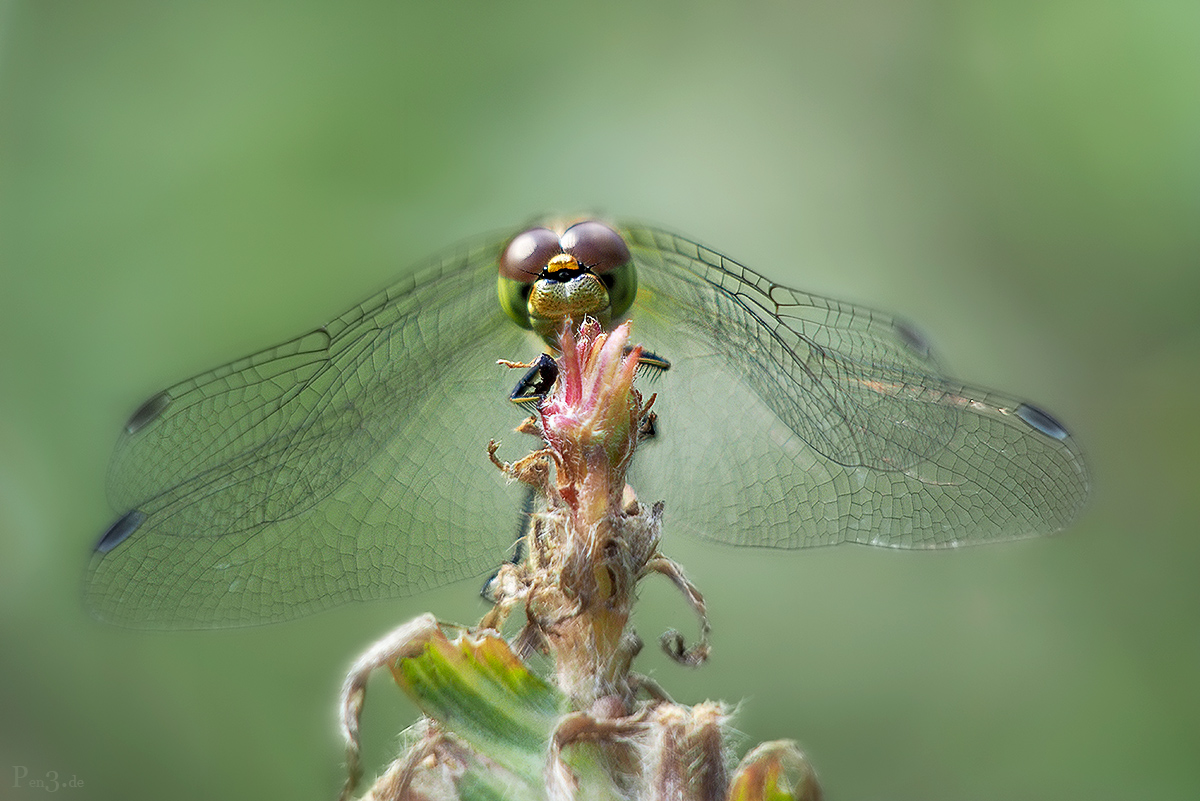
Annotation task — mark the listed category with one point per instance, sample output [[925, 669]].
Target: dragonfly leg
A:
[[543, 372], [487, 591], [651, 363], [534, 385]]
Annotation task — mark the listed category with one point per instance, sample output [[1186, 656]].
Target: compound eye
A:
[[595, 245], [528, 253]]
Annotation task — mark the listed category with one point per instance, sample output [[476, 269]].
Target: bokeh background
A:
[[181, 184]]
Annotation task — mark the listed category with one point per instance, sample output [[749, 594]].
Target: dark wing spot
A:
[[119, 531], [1041, 421], [913, 339], [148, 412]]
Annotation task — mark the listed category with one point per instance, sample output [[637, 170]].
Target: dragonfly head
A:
[[548, 276]]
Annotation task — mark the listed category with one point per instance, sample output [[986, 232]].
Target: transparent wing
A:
[[346, 464], [349, 463], [788, 420]]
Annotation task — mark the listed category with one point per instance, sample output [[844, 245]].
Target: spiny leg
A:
[[528, 504]]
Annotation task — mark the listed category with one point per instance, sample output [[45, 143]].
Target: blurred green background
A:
[[181, 184]]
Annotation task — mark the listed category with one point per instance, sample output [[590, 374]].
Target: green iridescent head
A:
[[547, 277]]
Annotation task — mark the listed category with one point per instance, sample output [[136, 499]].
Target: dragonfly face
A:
[[547, 277], [349, 463]]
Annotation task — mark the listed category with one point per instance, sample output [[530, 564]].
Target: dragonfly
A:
[[350, 464]]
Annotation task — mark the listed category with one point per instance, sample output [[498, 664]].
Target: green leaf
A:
[[476, 688]]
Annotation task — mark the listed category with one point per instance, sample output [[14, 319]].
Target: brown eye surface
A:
[[595, 245], [528, 253]]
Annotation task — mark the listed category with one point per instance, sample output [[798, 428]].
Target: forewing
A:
[[789, 420], [346, 464]]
